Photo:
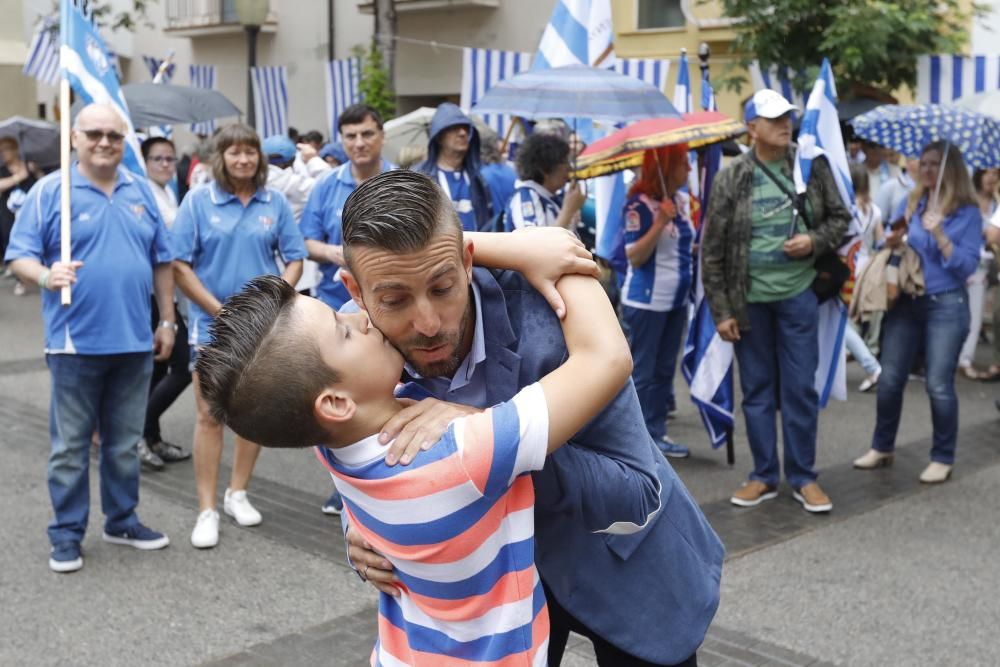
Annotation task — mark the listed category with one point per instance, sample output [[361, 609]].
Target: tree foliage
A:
[[375, 85], [870, 42], [105, 16]]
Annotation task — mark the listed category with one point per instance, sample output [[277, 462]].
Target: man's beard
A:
[[445, 367]]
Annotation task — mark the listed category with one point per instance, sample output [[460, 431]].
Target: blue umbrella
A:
[[578, 91], [908, 129]]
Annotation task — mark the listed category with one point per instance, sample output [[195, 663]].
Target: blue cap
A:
[[281, 146], [334, 149]]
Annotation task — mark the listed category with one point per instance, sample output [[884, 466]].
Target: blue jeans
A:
[[856, 346], [655, 338], [941, 321], [778, 357], [107, 393]]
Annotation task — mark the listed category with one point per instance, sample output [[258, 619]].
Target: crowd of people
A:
[[200, 275]]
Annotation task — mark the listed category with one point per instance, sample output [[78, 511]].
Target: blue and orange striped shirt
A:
[[458, 526]]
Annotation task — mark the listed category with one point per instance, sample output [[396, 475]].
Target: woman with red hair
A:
[[658, 237]]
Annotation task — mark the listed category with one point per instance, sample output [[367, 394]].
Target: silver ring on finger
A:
[[366, 572]]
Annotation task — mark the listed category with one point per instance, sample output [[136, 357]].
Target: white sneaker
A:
[[206, 531], [870, 381], [237, 505]]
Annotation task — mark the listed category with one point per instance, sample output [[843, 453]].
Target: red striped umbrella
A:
[[623, 149]]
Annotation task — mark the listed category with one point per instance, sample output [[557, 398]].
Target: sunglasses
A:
[[95, 136]]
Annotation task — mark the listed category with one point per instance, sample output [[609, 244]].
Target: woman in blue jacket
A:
[[946, 232]]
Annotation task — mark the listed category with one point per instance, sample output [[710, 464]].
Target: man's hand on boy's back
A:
[[418, 426]]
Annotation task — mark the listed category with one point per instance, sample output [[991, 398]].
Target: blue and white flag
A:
[[578, 33], [484, 68], [707, 363], [941, 79], [651, 70], [203, 76], [683, 103], [89, 67], [270, 99], [779, 79], [43, 55], [343, 78], [154, 65], [820, 135]]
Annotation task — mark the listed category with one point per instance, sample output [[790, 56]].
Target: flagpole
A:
[[65, 249], [730, 453]]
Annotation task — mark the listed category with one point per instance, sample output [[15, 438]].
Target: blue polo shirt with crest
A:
[[119, 239], [228, 244], [321, 220]]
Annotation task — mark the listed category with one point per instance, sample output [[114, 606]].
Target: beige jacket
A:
[[870, 292]]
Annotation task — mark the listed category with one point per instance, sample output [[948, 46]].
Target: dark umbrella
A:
[[37, 140], [151, 104]]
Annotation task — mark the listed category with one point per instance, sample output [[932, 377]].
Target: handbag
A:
[[831, 272]]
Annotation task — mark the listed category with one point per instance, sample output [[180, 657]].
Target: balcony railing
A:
[[403, 6], [196, 18]]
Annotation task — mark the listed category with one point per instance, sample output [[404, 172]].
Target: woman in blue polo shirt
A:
[[225, 234], [658, 237]]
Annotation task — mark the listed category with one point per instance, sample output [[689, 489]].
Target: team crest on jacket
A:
[[138, 209], [266, 220], [632, 221]]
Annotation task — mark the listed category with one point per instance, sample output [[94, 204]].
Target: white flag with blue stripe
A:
[[202, 76], [343, 78], [154, 65], [707, 363], [653, 71], [944, 78], [42, 62], [779, 79], [578, 33], [270, 99], [683, 103], [89, 67], [484, 68], [819, 135]]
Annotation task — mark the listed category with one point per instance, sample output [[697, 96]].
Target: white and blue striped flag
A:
[[203, 76], [89, 66], [154, 64], [270, 99], [942, 79], [343, 78], [43, 55], [578, 33], [820, 135], [484, 68], [653, 71], [779, 79], [683, 103], [707, 363]]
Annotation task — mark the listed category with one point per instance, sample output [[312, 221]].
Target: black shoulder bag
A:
[[831, 272]]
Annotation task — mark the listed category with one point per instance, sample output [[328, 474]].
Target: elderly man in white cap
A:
[[759, 249]]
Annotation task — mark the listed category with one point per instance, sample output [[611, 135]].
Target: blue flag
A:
[[89, 66]]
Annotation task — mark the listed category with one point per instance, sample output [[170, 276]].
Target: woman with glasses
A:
[[945, 229], [170, 377], [227, 233]]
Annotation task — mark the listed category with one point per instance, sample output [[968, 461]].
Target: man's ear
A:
[[333, 408], [352, 287], [467, 252]]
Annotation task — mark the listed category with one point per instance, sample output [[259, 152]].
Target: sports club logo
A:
[[97, 56], [632, 221], [138, 209], [266, 221]]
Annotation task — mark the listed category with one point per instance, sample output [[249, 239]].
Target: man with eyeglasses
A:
[[360, 129], [100, 349]]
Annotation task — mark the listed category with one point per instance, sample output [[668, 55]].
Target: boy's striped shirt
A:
[[458, 526]]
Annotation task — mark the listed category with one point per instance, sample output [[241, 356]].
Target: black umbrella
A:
[[151, 104], [37, 140]]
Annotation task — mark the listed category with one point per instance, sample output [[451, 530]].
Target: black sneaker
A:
[[149, 460], [66, 557], [334, 504], [169, 452], [138, 536]]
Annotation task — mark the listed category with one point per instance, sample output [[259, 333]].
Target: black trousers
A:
[[170, 378], [562, 623]]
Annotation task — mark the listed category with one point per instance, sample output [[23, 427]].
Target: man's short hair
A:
[[261, 373], [359, 113], [398, 210], [148, 144], [312, 137], [237, 134], [540, 155]]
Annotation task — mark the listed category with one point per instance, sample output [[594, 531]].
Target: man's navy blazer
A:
[[619, 541]]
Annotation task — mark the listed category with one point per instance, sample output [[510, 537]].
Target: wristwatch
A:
[[164, 324]]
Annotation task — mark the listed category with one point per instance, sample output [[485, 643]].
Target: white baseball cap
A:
[[767, 104]]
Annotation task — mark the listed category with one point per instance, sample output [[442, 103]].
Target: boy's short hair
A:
[[261, 373]]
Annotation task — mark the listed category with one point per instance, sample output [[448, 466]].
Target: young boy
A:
[[457, 524]]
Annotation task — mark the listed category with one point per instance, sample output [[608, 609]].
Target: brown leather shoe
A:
[[753, 493], [813, 499]]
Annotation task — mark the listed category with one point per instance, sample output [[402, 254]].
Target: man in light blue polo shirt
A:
[[100, 348], [361, 129]]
